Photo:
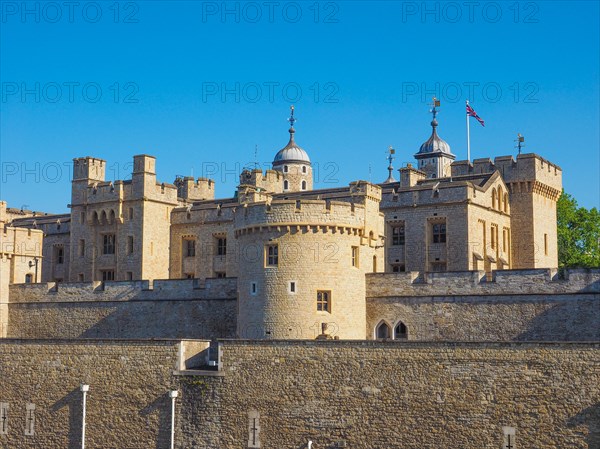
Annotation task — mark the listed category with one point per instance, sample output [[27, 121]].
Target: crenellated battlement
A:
[[527, 168], [164, 289], [476, 283], [338, 214], [191, 189], [212, 212], [100, 192], [269, 180]]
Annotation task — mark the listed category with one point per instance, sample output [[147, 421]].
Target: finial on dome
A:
[[292, 120], [435, 104], [390, 159]]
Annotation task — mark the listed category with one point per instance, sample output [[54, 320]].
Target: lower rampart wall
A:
[[128, 406], [368, 395], [202, 319]]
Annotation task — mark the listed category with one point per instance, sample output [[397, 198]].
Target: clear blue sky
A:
[[366, 71]]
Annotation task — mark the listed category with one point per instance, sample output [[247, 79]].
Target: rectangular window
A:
[[398, 234], [272, 253], [292, 287], [131, 213], [439, 232], [130, 244], [324, 301], [82, 217], [220, 274], [80, 277], [59, 255], [221, 246], [189, 248], [355, 256], [130, 276], [546, 244], [108, 244], [108, 275], [253, 288], [504, 239], [493, 233], [397, 268], [81, 247], [438, 266]]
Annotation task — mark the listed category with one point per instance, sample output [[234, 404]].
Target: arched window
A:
[[493, 198], [303, 185], [499, 198], [304, 169], [400, 332], [285, 169], [28, 278], [286, 185], [383, 330], [506, 202], [374, 264]]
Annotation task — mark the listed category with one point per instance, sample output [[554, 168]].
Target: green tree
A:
[[578, 234]]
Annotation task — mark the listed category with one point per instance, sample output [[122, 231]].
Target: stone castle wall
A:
[[361, 395], [367, 395], [171, 309], [521, 305], [128, 406]]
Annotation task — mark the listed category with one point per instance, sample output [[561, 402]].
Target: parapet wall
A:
[[313, 212], [475, 283], [157, 290], [527, 167]]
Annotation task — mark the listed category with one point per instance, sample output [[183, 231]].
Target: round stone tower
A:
[[294, 163], [304, 265]]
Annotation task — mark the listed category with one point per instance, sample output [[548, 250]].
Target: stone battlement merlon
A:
[[211, 212], [301, 211], [527, 167], [469, 283], [163, 289]]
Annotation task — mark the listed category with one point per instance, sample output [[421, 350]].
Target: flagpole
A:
[[468, 136]]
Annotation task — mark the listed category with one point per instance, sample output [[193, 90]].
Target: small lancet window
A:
[[400, 332], [383, 330]]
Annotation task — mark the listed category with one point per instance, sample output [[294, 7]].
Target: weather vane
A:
[[520, 139], [434, 104], [292, 120]]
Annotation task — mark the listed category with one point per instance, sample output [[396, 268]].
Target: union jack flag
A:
[[471, 113]]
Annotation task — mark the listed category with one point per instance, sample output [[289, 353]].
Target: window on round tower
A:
[[285, 169], [303, 185], [304, 169], [286, 185]]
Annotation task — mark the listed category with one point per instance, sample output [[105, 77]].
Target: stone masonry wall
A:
[[375, 395], [128, 406], [523, 305], [171, 309], [361, 395]]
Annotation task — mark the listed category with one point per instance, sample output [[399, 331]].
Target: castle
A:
[[455, 262]]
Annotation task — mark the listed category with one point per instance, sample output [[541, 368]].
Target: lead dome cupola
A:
[[292, 152]]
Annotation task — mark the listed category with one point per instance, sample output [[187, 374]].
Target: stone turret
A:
[[294, 163]]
